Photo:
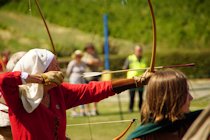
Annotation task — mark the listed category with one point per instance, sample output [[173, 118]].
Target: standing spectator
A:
[[135, 61], [74, 71], [5, 129], [14, 59], [93, 62]]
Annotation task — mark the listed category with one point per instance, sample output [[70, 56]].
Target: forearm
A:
[[34, 79], [123, 84]]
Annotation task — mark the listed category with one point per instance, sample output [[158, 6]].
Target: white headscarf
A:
[[33, 62]]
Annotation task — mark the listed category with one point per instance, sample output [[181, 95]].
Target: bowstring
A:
[[46, 27]]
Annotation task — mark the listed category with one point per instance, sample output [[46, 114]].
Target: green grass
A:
[[82, 22], [179, 23], [109, 111], [19, 32], [200, 103]]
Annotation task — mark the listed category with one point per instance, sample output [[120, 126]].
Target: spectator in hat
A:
[[75, 69]]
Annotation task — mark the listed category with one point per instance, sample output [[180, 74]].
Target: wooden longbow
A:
[[152, 62]]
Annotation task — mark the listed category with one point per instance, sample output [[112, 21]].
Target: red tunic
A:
[[48, 123]]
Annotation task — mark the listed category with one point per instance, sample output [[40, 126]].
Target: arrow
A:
[[92, 74]]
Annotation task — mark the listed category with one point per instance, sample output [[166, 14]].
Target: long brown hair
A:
[[166, 93]]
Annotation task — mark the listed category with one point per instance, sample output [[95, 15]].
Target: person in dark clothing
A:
[[135, 61]]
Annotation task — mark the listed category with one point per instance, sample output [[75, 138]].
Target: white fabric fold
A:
[[4, 121], [33, 62]]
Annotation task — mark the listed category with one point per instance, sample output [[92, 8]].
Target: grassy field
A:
[[109, 111]]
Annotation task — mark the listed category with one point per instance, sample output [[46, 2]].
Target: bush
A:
[[200, 58]]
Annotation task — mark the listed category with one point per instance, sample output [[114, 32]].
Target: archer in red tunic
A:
[[48, 123]]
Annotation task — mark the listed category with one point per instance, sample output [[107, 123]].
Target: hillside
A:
[[180, 24], [22, 32]]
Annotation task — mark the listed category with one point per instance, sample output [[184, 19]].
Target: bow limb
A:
[[48, 31], [125, 131], [152, 62]]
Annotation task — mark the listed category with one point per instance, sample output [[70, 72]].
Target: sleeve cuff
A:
[[24, 76]]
